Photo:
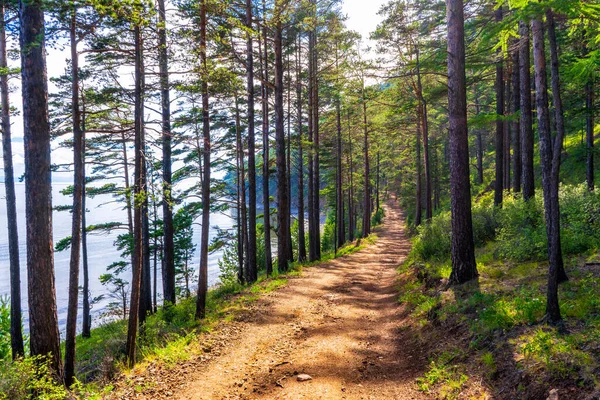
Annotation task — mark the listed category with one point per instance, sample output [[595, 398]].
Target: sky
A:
[[362, 15]]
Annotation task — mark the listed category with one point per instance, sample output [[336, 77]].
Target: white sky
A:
[[362, 16]]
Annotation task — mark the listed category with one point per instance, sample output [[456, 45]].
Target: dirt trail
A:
[[340, 323]]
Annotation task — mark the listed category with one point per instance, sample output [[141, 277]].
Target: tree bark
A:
[[252, 267], [16, 332], [419, 178], [203, 275], [463, 253], [499, 86], [301, 233], [139, 191], [86, 317], [546, 161], [425, 127], [516, 128], [242, 194], [283, 201], [44, 338], [589, 129], [366, 228], [168, 259], [560, 134], [78, 173], [266, 164], [351, 220], [526, 116]]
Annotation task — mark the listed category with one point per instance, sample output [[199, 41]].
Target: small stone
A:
[[304, 378], [553, 395]]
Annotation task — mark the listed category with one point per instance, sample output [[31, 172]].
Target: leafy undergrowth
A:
[[170, 336], [488, 338]]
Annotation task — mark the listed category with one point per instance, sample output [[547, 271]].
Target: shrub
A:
[[433, 238], [5, 348], [377, 217], [30, 378]]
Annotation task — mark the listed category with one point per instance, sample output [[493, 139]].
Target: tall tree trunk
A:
[[73, 305], [463, 252], [289, 157], [86, 317], [506, 129], [546, 161], [425, 126], [339, 192], [516, 128], [16, 334], [316, 140], [589, 129], [139, 190], [419, 177], [479, 135], [526, 116], [312, 245], [366, 228], [168, 258], [560, 134], [240, 241], [339, 216], [498, 186], [44, 336], [146, 283], [242, 190], [351, 220], [283, 201], [203, 276], [377, 181], [252, 267], [301, 234], [266, 163]]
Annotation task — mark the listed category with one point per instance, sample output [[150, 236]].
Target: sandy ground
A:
[[340, 323]]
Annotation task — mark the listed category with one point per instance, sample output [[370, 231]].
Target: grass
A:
[[498, 327]]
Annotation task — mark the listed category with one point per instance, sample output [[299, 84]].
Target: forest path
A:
[[340, 322]]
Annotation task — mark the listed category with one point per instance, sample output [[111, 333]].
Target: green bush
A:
[[433, 239], [5, 349], [377, 217], [30, 378], [522, 232]]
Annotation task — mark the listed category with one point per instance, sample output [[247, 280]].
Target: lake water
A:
[[101, 251]]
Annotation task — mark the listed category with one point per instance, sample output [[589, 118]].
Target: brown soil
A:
[[340, 322]]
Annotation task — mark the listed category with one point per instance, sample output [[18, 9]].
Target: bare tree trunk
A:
[[366, 228], [73, 305], [498, 186], [242, 192], [16, 333], [463, 252], [351, 220], [425, 126], [339, 192], [312, 246], [203, 276], [87, 319], [546, 160], [301, 234], [516, 128], [139, 190], [283, 201], [506, 129], [168, 259], [589, 123], [266, 163], [44, 336], [479, 135], [418, 190], [252, 267], [526, 116], [560, 134]]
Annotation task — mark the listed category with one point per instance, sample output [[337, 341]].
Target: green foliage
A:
[[29, 378], [328, 237], [433, 238], [5, 346], [377, 217], [522, 232]]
